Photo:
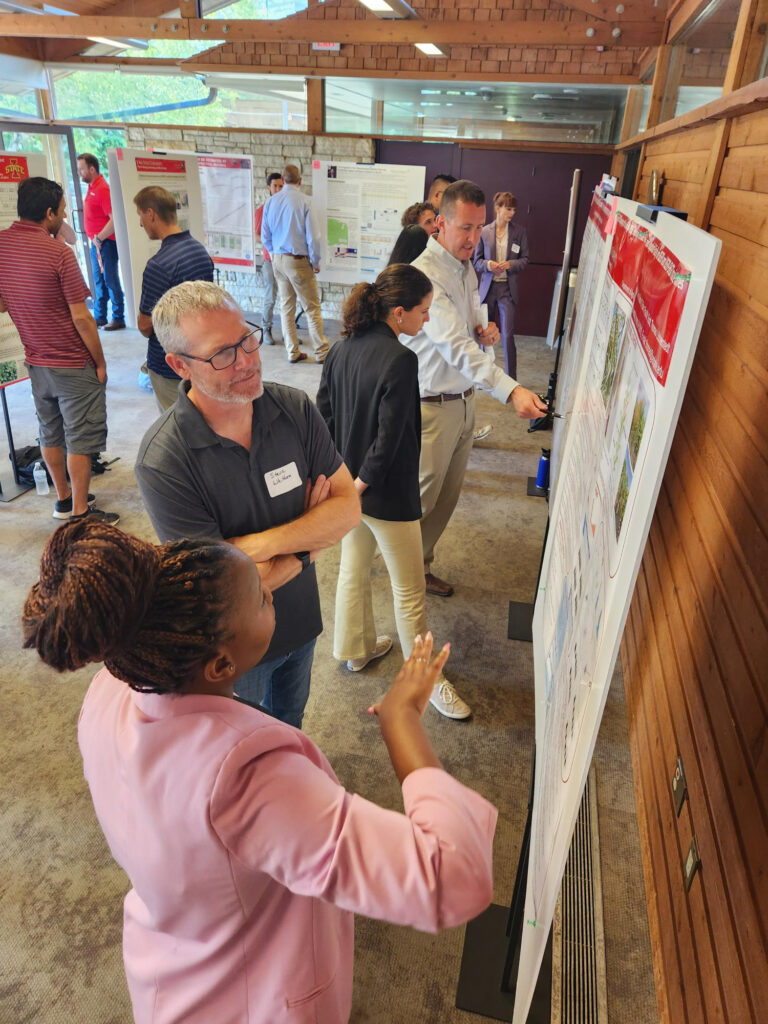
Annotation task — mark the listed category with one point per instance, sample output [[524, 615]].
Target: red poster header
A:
[[13, 168], [230, 162], [658, 305], [627, 254], [599, 213], [148, 165]]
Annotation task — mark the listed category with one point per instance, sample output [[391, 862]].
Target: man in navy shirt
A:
[[180, 258]]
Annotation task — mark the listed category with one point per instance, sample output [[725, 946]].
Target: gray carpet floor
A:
[[61, 894]]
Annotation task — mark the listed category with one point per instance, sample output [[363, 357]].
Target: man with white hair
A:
[[251, 463]]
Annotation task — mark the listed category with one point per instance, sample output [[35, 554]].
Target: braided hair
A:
[[153, 615]]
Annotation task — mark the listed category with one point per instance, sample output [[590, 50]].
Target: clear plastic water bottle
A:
[[41, 479]]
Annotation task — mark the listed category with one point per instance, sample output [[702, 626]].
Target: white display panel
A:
[[648, 295], [357, 209], [226, 183], [131, 170], [14, 167]]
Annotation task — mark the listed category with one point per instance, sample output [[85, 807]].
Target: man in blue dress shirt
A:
[[290, 237]]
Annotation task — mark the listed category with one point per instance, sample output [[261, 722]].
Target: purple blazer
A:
[[486, 250]]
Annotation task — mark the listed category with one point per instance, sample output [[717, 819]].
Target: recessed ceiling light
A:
[[430, 49]]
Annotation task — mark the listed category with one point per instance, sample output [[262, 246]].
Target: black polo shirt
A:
[[198, 484]]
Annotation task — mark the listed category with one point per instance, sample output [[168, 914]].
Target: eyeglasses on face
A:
[[226, 356]]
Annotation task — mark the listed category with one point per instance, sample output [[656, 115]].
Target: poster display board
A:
[[130, 170], [592, 261], [14, 167], [357, 210], [651, 285], [226, 183]]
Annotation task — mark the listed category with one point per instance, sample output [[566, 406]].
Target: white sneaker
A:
[[383, 646], [447, 701], [482, 432]]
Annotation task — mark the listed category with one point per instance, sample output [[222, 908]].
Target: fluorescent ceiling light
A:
[[430, 92], [377, 6], [430, 49], [468, 93], [453, 92], [542, 96]]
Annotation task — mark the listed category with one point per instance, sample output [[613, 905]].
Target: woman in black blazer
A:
[[369, 397]]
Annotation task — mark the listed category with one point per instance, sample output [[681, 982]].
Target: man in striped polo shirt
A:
[[43, 290], [180, 258]]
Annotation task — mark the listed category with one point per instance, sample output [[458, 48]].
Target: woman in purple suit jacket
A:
[[501, 254]]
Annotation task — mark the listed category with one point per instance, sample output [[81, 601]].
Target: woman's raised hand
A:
[[414, 682]]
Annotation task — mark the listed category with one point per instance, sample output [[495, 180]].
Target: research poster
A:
[[649, 301], [14, 167], [357, 210], [226, 183], [130, 170]]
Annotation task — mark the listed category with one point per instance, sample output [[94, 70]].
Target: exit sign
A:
[[327, 47]]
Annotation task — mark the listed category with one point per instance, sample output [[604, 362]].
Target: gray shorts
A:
[[71, 408]]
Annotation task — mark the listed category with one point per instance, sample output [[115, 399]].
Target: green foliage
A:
[[98, 141]]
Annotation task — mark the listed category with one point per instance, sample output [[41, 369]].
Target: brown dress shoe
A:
[[116, 325], [437, 586]]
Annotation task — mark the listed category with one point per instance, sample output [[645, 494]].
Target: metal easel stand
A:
[[18, 486]]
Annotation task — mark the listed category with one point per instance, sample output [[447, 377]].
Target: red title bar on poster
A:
[[658, 304], [599, 214], [13, 168], [230, 162], [149, 165]]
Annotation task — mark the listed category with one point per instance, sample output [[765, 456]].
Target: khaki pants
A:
[[297, 278], [446, 441], [400, 545], [166, 390]]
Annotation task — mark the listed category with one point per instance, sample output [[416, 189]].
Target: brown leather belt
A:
[[296, 256], [448, 398]]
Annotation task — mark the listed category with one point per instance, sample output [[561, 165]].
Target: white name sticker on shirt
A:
[[279, 481], [515, 247]]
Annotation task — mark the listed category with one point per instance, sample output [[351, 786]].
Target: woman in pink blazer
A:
[[246, 856], [500, 256]]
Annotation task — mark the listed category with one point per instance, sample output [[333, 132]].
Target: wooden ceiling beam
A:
[[364, 30], [683, 16], [20, 48], [634, 10]]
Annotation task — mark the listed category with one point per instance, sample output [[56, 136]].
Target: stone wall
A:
[[270, 152]]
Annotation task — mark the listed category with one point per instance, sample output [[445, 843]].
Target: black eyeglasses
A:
[[226, 356]]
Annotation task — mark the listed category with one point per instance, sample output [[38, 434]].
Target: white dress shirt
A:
[[450, 357]]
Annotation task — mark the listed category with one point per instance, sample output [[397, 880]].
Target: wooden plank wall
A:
[[695, 648]]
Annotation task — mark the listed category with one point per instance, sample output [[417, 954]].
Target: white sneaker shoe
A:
[[383, 646], [482, 432], [447, 701]]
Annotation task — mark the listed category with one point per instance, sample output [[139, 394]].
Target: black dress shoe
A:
[[101, 323]]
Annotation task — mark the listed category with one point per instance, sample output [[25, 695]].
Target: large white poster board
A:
[[130, 170], [652, 287], [14, 167], [226, 183], [357, 210]]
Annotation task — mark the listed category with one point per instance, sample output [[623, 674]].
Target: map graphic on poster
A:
[[640, 311], [357, 210], [227, 189], [14, 167], [130, 170]]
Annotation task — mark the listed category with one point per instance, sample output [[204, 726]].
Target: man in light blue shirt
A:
[[290, 237]]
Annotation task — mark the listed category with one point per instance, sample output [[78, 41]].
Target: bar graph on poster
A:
[[637, 315], [14, 167], [356, 210]]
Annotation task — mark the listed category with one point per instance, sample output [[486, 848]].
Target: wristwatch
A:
[[303, 557]]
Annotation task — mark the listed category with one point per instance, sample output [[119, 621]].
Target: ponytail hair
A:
[[153, 615], [399, 284]]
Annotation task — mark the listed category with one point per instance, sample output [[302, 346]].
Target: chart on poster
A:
[[130, 170], [640, 311], [226, 183], [357, 210], [14, 167]]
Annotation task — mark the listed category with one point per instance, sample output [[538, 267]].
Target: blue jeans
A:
[[106, 283], [281, 685]]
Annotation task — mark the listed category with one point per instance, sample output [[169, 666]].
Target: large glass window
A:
[[217, 99], [476, 110]]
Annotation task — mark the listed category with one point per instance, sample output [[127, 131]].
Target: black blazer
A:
[[369, 397], [486, 250]]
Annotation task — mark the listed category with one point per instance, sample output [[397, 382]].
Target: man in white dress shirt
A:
[[452, 365]]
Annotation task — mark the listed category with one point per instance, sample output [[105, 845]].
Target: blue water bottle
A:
[[542, 474]]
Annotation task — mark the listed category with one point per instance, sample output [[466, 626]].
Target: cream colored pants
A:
[[446, 441], [400, 545], [296, 277]]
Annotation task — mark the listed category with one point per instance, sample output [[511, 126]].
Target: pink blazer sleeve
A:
[[283, 813]]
